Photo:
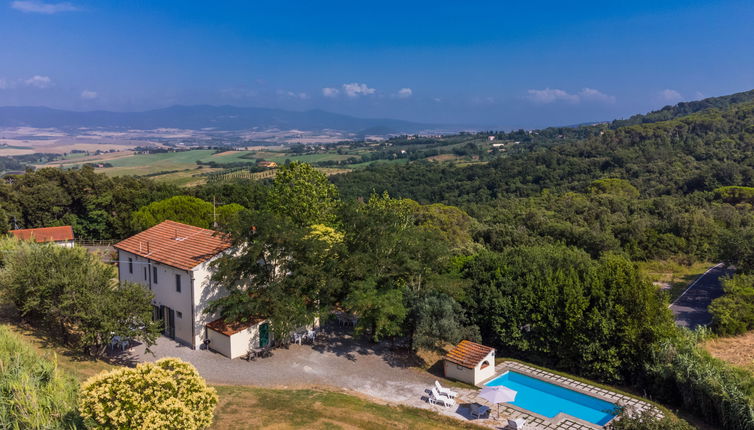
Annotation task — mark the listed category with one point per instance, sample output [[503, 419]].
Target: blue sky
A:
[[500, 63]]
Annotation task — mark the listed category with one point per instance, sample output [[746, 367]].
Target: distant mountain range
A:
[[224, 118]]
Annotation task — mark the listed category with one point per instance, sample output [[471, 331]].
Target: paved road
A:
[[690, 309]]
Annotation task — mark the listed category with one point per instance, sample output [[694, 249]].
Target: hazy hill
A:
[[698, 152], [686, 108], [201, 117]]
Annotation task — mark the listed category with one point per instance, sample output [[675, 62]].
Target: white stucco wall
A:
[[458, 372], [204, 292], [474, 376], [237, 344], [481, 375], [187, 328], [219, 342]]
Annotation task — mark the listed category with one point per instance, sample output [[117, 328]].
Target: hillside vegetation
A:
[[533, 249]]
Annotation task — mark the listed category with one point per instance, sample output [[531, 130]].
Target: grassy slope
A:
[[247, 407]]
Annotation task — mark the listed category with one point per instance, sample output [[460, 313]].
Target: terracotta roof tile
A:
[[468, 354], [229, 329], [175, 244], [45, 234]]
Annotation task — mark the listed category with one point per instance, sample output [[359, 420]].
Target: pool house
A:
[[470, 362]]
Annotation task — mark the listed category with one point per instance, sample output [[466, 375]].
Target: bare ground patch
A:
[[737, 350]]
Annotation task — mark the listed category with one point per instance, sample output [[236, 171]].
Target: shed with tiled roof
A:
[[62, 235], [470, 362]]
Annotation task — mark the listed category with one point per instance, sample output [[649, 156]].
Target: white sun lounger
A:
[[447, 392], [435, 398], [516, 424]]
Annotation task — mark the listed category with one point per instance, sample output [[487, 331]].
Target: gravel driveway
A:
[[338, 361]]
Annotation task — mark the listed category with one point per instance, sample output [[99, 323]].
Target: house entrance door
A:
[[264, 335], [167, 316]]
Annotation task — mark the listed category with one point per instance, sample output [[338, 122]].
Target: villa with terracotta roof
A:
[[470, 362], [173, 260], [62, 235]]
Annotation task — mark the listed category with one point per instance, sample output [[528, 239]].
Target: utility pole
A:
[[214, 212]]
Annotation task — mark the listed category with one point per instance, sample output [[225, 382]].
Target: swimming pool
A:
[[548, 399]]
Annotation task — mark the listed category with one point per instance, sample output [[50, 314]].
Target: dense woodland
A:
[[533, 252]]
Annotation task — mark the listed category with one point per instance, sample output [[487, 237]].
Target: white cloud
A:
[[88, 95], [405, 93], [590, 94], [34, 6], [551, 95], [669, 95], [39, 81], [354, 89], [330, 92]]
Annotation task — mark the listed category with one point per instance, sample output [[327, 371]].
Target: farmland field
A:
[[195, 166]]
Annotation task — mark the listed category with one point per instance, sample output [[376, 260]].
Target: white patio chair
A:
[[297, 338], [447, 392], [435, 398], [517, 424]]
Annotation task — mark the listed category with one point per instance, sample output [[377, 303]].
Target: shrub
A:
[[733, 313], [167, 394], [34, 393], [646, 420], [679, 372]]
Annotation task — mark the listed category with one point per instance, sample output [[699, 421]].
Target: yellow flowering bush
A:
[[168, 394]]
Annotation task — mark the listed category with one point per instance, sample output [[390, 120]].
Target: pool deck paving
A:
[[339, 361]]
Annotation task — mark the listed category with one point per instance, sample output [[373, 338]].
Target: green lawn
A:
[[249, 407], [165, 159]]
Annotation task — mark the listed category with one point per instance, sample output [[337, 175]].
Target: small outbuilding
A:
[[470, 362], [62, 236], [235, 339]]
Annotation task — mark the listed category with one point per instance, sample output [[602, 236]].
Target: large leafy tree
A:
[[185, 209], [390, 261], [303, 194], [559, 306], [282, 271], [73, 293]]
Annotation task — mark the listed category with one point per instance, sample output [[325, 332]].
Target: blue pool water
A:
[[547, 399]]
